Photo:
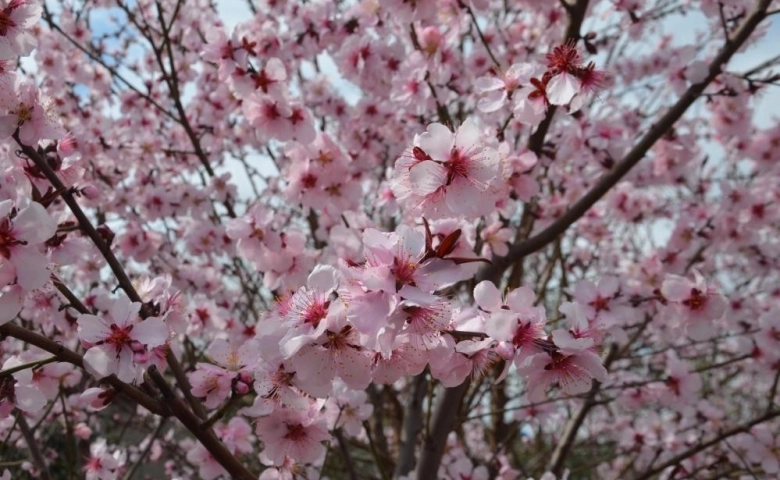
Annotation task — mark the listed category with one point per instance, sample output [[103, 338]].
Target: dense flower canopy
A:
[[459, 239]]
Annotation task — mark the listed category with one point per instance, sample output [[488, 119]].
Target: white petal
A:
[[29, 399]]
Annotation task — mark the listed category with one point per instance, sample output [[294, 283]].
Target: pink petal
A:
[[501, 325], [122, 311], [125, 368], [437, 141], [492, 101], [700, 330], [585, 291], [275, 69], [100, 361], [34, 224], [8, 123], [468, 135], [487, 296], [369, 312], [608, 286], [323, 278], [11, 302], [520, 298], [427, 177], [564, 340], [29, 399], [561, 89], [354, 367], [31, 271], [675, 288], [574, 382], [592, 364], [152, 332], [92, 329], [486, 84]]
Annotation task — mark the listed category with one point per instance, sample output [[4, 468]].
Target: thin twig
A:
[[148, 448], [32, 445], [25, 366], [444, 419], [481, 35]]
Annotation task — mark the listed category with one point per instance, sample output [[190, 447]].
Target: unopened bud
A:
[[505, 350], [91, 192]]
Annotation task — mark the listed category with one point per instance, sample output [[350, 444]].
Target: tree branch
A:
[[32, 444], [413, 424], [611, 178], [206, 437], [444, 420], [563, 447], [698, 448], [119, 272], [69, 356]]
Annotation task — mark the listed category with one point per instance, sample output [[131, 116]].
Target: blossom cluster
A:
[[265, 269]]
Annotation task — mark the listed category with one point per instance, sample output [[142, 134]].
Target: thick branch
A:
[[444, 419], [84, 223], [633, 157], [206, 437], [124, 281], [413, 424], [69, 356]]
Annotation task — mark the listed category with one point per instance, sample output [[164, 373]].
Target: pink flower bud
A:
[[241, 388], [97, 398], [91, 192], [82, 431], [505, 350]]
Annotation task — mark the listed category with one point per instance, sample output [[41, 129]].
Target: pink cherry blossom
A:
[[16, 19], [22, 233], [448, 173], [696, 305], [572, 373], [119, 342], [22, 108], [17, 391], [294, 434], [102, 464]]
